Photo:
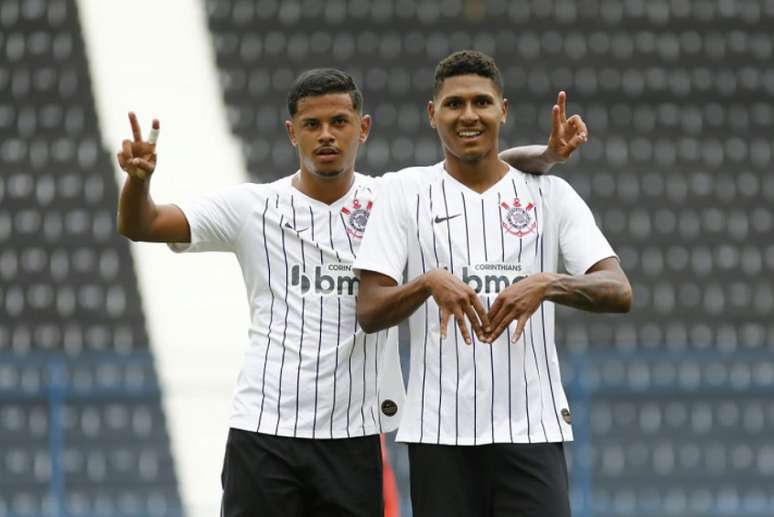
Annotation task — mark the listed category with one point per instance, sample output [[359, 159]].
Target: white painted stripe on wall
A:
[[156, 58]]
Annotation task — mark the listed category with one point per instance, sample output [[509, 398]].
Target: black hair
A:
[[321, 81], [466, 62]]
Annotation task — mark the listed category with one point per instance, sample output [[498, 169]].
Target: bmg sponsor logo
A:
[[492, 278], [335, 279]]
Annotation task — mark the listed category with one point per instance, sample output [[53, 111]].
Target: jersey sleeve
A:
[[384, 246], [581, 242], [215, 220]]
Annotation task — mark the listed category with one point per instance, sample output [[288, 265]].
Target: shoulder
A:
[[548, 185], [411, 180]]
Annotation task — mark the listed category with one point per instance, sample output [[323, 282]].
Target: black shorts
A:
[[525, 480], [274, 476]]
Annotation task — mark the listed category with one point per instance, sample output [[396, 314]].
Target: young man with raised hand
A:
[[486, 414], [315, 390]]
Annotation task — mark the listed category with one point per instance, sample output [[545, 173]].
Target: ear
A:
[[431, 113], [291, 132], [365, 128], [505, 110]]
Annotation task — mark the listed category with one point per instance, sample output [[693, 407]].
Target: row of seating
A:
[[83, 501], [688, 332], [622, 83], [653, 13], [654, 47]]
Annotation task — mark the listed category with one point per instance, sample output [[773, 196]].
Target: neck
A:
[[479, 175], [325, 190]]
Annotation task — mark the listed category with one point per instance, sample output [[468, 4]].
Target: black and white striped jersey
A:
[[309, 370], [482, 393]]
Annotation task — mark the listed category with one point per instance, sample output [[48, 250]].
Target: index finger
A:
[[136, 133], [561, 101], [483, 315]]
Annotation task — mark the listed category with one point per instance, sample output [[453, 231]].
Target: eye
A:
[[453, 103], [483, 101], [311, 124]]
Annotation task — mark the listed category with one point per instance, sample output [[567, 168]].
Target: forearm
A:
[[380, 307], [535, 159], [136, 209], [601, 291]]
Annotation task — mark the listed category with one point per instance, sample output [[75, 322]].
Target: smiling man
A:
[[315, 390], [486, 414]]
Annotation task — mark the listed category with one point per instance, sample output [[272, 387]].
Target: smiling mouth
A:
[[469, 133]]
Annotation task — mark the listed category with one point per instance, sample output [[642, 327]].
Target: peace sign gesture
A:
[[566, 134], [138, 157]]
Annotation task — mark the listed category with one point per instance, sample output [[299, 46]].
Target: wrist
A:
[[548, 283], [550, 156], [428, 281]]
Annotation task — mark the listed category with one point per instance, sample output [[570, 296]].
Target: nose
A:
[[325, 136], [468, 115]]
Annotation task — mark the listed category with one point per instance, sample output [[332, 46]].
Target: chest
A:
[[455, 228]]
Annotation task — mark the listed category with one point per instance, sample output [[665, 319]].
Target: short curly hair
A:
[[466, 62]]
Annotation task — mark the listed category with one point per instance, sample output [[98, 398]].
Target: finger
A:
[[482, 313], [576, 141], [460, 318], [121, 160], [494, 312], [556, 121], [561, 100], [519, 328], [145, 165], [501, 326], [126, 148], [153, 136], [444, 322], [579, 124], [136, 132], [470, 312]]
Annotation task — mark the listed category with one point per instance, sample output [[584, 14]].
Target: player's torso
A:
[[310, 371], [489, 240], [483, 393], [308, 246]]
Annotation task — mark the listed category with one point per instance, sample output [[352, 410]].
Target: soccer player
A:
[[315, 390], [485, 414]]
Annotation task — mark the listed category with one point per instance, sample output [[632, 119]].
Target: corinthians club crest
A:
[[356, 217], [518, 220]]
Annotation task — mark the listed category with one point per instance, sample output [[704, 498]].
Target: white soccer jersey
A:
[[309, 370], [482, 393]]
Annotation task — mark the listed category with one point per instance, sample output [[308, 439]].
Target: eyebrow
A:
[[341, 114], [476, 96]]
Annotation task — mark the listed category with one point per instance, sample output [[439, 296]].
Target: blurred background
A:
[[117, 360]]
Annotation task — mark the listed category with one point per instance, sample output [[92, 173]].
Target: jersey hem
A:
[[470, 441], [250, 424]]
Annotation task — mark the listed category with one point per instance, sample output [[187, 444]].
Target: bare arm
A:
[[382, 303], [139, 218], [567, 135], [603, 288]]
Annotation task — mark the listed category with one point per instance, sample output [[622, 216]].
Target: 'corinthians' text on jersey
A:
[[309, 370], [483, 393]]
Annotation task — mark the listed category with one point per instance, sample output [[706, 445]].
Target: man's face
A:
[[467, 113], [327, 130]]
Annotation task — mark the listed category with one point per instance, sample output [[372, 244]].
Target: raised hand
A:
[[566, 134], [456, 298], [138, 157]]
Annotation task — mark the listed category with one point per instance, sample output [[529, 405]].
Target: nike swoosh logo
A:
[[289, 227], [439, 219]]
